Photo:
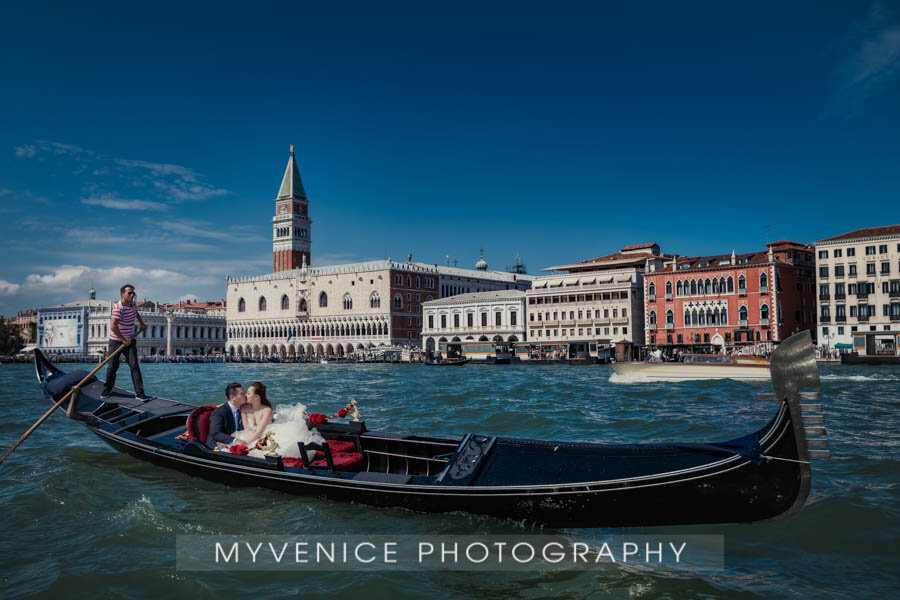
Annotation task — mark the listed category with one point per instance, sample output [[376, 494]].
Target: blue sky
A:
[[148, 145]]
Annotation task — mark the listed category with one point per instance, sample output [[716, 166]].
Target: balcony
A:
[[763, 289], [895, 318], [764, 322], [668, 296], [840, 319], [824, 297], [567, 323], [894, 294], [620, 321], [824, 318], [838, 276], [825, 276], [852, 275], [651, 326], [840, 296], [742, 291], [863, 318], [651, 297], [862, 294], [670, 325], [742, 322]]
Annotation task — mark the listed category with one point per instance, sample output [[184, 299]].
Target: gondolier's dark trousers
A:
[[131, 356]]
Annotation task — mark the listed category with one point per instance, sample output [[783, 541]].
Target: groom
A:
[[226, 419]]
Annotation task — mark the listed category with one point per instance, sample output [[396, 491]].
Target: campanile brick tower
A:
[[291, 223]]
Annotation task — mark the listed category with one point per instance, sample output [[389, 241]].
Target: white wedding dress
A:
[[288, 427]]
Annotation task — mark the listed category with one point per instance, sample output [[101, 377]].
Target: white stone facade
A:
[[191, 332], [484, 316], [604, 306], [858, 283], [327, 311]]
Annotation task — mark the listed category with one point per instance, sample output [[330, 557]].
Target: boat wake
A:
[[832, 377], [629, 378]]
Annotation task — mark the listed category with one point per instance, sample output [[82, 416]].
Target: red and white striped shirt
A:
[[126, 316]]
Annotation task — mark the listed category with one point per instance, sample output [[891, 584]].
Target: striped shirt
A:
[[126, 316]]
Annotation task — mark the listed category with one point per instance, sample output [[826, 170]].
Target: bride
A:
[[286, 431], [256, 415]]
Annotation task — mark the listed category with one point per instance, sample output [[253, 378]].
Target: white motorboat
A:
[[698, 366]]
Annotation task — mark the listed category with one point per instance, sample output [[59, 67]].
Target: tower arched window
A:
[[374, 300], [722, 285], [742, 313], [262, 304], [678, 289], [742, 283], [715, 283], [708, 286], [763, 281], [285, 302], [652, 317], [670, 317], [668, 288], [730, 284], [242, 306], [302, 304], [348, 302], [764, 312], [693, 287], [651, 289], [323, 300]]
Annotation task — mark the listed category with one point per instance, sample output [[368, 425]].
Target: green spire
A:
[[291, 185]]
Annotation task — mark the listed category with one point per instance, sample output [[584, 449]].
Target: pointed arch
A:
[[262, 304], [285, 302], [348, 301], [323, 300]]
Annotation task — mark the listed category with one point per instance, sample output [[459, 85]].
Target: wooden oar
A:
[[63, 399]]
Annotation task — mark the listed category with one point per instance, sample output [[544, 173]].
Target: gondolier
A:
[[122, 330]]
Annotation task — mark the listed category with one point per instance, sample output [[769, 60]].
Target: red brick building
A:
[[706, 302]]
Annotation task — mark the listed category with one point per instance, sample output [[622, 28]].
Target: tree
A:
[[10, 337]]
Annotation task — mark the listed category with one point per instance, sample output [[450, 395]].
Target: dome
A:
[[481, 265]]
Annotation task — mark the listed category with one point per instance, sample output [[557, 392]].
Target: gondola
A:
[[450, 362], [762, 475]]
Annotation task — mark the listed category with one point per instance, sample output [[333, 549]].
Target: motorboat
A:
[[692, 367]]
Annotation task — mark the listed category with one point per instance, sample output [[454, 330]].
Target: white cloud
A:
[[108, 201], [7, 288], [205, 230], [871, 62], [26, 151]]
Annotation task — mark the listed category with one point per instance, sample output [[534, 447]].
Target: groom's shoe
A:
[[104, 395], [142, 397]]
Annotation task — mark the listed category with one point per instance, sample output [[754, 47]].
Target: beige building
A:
[[336, 310], [497, 316], [596, 300], [858, 280]]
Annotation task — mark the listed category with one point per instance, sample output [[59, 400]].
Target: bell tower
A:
[[291, 223]]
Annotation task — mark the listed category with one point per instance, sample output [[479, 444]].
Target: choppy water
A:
[[80, 520]]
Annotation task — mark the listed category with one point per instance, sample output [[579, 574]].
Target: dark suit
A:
[[222, 425]]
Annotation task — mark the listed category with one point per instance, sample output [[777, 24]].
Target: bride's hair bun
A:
[[260, 388]]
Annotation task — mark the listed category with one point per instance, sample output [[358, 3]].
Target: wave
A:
[[832, 377], [629, 378]]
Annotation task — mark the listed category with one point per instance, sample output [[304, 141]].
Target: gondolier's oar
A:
[[63, 399]]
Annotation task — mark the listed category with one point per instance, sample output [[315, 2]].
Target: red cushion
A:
[[289, 461], [336, 447], [198, 423], [343, 461]]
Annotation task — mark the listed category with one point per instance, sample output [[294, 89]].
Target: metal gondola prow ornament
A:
[[794, 367]]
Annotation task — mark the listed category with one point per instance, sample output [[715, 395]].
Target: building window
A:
[[262, 304], [497, 319], [512, 318], [853, 270], [484, 320], [764, 313], [823, 253], [470, 318], [323, 300], [742, 283], [398, 279], [651, 289], [885, 268], [398, 301], [348, 302], [652, 317], [838, 271], [670, 317], [456, 321], [851, 252], [678, 289], [763, 282], [730, 284], [870, 250], [374, 300], [742, 313], [838, 252], [443, 321], [430, 321], [242, 306], [285, 303]]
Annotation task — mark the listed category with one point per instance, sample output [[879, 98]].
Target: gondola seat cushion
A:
[[336, 447], [198, 423], [343, 461]]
